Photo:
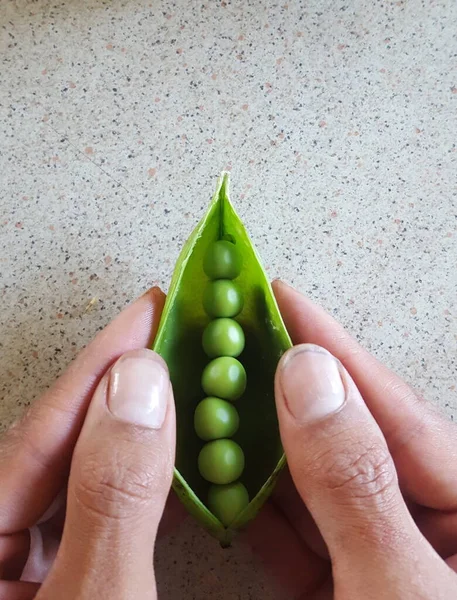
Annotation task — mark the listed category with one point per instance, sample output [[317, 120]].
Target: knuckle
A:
[[20, 442], [423, 416], [358, 471], [348, 348], [23, 436], [113, 489]]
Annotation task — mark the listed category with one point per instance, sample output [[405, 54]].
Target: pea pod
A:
[[179, 342]]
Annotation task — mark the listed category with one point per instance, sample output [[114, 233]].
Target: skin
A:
[[421, 448], [386, 529]]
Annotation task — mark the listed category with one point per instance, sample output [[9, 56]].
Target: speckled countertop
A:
[[337, 119]]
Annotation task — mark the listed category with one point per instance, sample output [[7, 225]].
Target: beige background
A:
[[337, 119]]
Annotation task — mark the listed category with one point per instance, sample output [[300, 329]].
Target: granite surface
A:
[[337, 119]]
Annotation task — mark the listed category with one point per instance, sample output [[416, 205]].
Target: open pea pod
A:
[[179, 342]]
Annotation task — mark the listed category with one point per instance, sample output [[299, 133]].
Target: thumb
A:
[[344, 473], [119, 481]]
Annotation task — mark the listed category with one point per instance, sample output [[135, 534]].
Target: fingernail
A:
[[311, 383], [138, 389], [279, 281], [154, 291]]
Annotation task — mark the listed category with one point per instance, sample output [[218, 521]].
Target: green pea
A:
[[215, 418], [223, 337], [227, 501], [225, 378], [221, 461], [222, 261], [222, 298]]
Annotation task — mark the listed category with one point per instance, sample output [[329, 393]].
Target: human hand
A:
[[374, 465], [104, 436]]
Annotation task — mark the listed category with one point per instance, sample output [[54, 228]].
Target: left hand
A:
[[110, 452]]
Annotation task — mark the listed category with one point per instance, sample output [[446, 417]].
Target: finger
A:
[[44, 544], [13, 554], [35, 454], [29, 554], [288, 501], [18, 590], [119, 482], [294, 566], [173, 515], [32, 555], [326, 592], [452, 562], [343, 471], [440, 530], [422, 442]]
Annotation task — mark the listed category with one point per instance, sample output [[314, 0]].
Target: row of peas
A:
[[216, 420]]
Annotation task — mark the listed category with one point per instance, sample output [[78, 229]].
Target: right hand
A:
[[369, 510]]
